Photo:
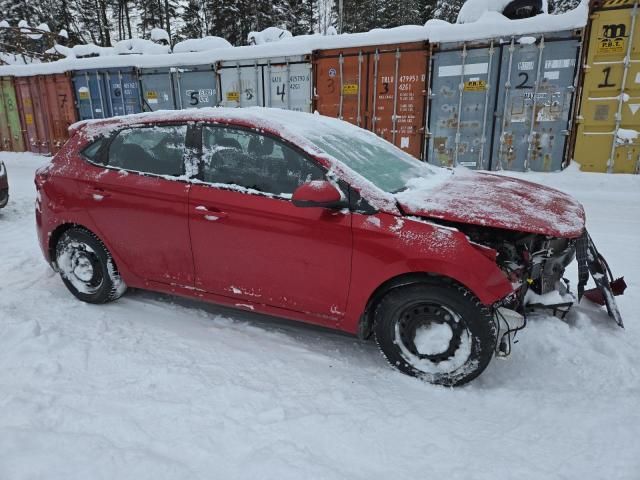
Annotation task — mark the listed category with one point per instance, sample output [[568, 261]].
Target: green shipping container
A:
[[11, 138]]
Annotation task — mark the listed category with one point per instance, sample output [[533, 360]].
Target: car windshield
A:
[[380, 162]]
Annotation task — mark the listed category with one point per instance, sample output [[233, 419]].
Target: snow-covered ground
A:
[[154, 387]]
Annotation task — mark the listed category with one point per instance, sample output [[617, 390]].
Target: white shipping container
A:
[[283, 82]]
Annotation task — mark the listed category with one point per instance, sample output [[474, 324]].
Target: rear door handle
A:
[[211, 214]]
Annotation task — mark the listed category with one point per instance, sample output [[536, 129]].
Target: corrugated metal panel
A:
[[281, 82], [122, 91], [610, 100], [380, 88], [535, 100], [288, 84], [196, 86], [462, 101], [241, 84], [157, 89], [31, 114], [11, 130], [58, 108], [90, 94]]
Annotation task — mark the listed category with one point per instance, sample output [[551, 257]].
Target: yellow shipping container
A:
[[608, 138]]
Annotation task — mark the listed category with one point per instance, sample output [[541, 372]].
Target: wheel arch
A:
[[365, 326]]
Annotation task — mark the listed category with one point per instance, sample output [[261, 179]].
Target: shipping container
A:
[[91, 97], [607, 135], [380, 88], [58, 108], [32, 115], [279, 82], [10, 128], [195, 86], [464, 78], [158, 89], [122, 91], [534, 110]]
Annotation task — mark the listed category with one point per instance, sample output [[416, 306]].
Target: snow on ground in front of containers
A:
[[490, 25], [156, 387]]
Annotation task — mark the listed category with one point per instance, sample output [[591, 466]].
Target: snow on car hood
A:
[[496, 201]]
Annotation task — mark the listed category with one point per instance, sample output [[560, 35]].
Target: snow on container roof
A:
[[201, 44], [492, 24], [472, 10], [489, 25], [288, 47]]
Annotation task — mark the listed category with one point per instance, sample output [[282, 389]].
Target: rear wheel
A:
[[436, 331], [87, 268]]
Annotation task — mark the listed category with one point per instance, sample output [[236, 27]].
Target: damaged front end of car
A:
[[535, 264]]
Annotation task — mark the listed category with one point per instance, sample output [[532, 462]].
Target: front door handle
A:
[[211, 214], [98, 194]]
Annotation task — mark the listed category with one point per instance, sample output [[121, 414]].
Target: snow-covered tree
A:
[[560, 6], [447, 10]]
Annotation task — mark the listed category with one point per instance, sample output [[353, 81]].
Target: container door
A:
[[15, 140], [196, 87], [289, 86], [397, 85], [5, 135], [90, 95], [341, 85], [57, 100], [157, 90], [122, 91], [463, 89], [241, 85], [607, 134], [535, 97], [31, 110]]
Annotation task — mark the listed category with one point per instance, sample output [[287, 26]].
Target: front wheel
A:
[[87, 268], [436, 331]]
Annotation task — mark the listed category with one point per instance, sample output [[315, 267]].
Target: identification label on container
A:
[[83, 95], [611, 45], [28, 118], [469, 69], [233, 96], [350, 89], [152, 96], [475, 86]]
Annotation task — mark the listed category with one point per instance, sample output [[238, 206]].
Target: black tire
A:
[[456, 334], [87, 268]]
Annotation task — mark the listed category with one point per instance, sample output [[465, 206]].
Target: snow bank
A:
[[200, 44], [160, 35], [472, 10]]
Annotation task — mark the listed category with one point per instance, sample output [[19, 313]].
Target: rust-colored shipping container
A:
[[46, 109], [381, 88], [32, 114], [57, 99]]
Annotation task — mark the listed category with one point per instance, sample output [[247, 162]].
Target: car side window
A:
[[158, 149], [258, 162], [93, 150]]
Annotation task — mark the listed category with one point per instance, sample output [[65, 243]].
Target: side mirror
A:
[[318, 193]]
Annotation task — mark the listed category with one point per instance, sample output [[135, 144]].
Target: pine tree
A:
[[194, 23], [447, 10]]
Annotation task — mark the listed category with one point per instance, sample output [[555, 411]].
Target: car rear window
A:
[[92, 152], [158, 150]]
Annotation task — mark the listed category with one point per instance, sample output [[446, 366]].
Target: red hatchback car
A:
[[312, 219]]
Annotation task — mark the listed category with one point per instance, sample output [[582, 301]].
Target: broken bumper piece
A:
[[590, 261]]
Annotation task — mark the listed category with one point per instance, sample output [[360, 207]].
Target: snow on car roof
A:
[[489, 25]]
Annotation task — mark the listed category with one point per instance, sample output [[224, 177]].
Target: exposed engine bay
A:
[[535, 265]]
